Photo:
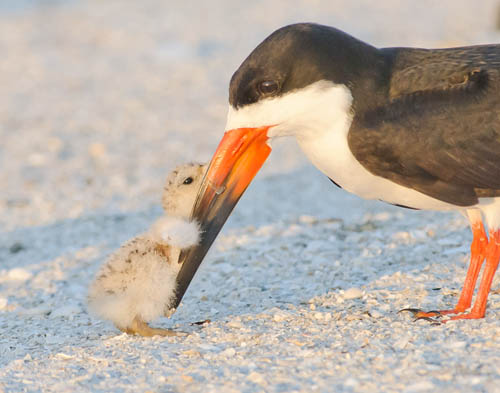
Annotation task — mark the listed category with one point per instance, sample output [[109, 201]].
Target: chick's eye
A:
[[188, 180], [268, 87]]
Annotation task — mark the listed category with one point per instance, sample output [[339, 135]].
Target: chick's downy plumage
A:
[[137, 283], [180, 189]]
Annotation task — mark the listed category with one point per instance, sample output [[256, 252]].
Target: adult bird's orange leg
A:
[[492, 259], [478, 252]]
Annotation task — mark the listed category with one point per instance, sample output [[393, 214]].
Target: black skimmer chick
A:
[[418, 128], [137, 283]]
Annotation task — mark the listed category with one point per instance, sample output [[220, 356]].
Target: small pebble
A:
[[256, 377], [191, 353], [422, 386], [234, 324], [352, 293], [456, 345], [304, 219], [16, 247], [318, 315], [351, 383], [279, 317], [229, 352], [19, 274]]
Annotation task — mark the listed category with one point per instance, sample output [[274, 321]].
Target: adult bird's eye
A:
[[189, 180], [268, 87]]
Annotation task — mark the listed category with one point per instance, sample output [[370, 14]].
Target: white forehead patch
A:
[[295, 112]]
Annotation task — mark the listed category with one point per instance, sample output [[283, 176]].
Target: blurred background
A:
[[99, 99]]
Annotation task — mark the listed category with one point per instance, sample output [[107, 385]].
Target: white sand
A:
[[98, 100]]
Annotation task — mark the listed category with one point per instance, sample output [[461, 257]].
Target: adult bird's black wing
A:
[[437, 128]]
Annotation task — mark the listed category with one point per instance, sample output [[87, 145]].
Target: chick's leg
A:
[[138, 326]]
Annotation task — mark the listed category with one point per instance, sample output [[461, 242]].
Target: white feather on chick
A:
[[137, 283], [175, 231]]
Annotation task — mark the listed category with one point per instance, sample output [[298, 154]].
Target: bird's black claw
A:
[[433, 322], [199, 323], [412, 310]]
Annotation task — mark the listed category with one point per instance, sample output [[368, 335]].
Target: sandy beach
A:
[[99, 100]]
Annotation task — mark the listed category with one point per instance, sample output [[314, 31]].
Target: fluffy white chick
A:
[[137, 283]]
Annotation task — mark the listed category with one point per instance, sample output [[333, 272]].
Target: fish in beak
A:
[[238, 158]]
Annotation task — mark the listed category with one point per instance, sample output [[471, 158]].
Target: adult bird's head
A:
[[294, 83]]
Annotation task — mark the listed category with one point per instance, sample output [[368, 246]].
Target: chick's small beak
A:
[[238, 158]]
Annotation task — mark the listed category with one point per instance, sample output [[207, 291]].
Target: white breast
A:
[[329, 152]]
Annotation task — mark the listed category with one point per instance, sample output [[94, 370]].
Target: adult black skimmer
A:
[[418, 128]]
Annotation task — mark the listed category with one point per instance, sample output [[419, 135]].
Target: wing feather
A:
[[439, 129]]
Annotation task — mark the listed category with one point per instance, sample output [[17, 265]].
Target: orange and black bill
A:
[[238, 158]]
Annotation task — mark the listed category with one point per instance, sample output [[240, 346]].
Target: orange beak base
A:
[[238, 158]]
